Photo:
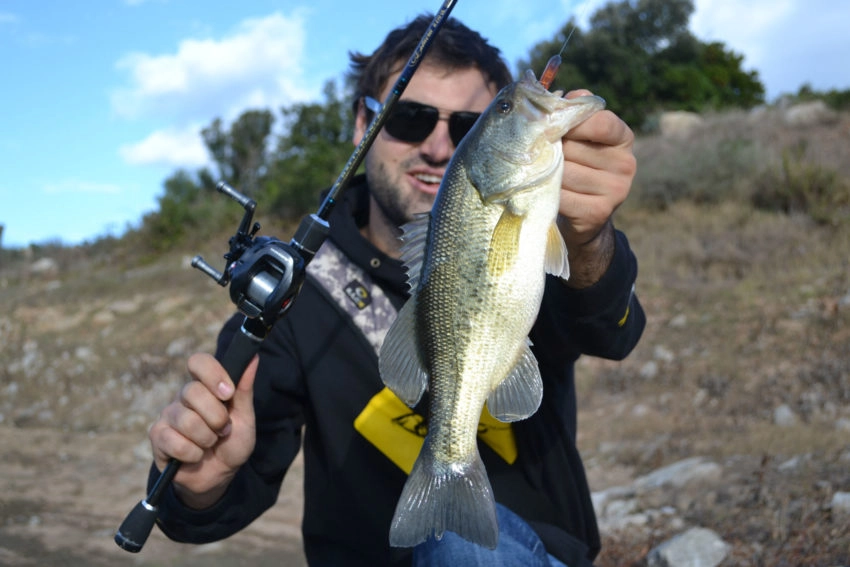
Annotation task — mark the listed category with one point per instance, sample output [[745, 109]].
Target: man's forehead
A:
[[468, 83]]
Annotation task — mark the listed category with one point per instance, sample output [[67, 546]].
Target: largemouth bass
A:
[[476, 267]]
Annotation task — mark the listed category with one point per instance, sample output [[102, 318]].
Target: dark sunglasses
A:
[[413, 121]]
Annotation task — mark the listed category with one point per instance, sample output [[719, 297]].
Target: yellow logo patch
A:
[[398, 432]]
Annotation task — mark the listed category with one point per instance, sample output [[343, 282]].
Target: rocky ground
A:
[[725, 434]]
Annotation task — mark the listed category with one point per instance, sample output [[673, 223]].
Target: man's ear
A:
[[360, 123]]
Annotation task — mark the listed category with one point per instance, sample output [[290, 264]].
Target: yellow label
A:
[[622, 321], [498, 435], [398, 432]]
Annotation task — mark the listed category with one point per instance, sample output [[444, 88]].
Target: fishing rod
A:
[[265, 276]]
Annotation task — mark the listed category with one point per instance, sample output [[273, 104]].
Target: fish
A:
[[476, 267]]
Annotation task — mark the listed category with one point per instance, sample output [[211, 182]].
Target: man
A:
[[317, 372]]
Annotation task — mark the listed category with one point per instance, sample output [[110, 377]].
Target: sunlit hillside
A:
[[741, 223]]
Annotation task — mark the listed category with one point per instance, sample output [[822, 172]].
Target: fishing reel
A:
[[264, 273]]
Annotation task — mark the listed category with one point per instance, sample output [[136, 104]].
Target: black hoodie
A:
[[319, 370]]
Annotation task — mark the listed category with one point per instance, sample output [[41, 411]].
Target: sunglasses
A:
[[413, 121]]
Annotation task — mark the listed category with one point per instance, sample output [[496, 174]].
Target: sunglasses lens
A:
[[411, 121], [460, 124]]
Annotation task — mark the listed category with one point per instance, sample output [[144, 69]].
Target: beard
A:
[[397, 206]]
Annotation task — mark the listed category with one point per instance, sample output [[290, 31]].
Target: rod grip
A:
[[137, 526], [243, 347]]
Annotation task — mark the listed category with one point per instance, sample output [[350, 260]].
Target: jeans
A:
[[519, 546]]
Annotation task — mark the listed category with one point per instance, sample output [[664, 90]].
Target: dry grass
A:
[[747, 310]]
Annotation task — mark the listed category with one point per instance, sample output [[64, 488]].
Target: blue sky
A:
[[102, 100]]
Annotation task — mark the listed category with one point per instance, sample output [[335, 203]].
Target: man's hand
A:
[[210, 428], [599, 166]]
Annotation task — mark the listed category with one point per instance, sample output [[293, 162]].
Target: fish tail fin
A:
[[439, 497]]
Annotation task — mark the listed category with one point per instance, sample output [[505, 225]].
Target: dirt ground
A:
[[65, 494], [744, 363]]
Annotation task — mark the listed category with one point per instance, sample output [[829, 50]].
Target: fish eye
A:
[[505, 106]]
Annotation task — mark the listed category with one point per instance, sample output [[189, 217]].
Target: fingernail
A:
[[225, 431], [225, 389]]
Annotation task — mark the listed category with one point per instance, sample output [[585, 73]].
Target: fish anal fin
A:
[[556, 262], [518, 396], [400, 363]]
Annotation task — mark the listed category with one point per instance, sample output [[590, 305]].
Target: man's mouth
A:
[[425, 178], [427, 182]]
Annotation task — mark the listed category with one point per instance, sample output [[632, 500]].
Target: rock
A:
[[104, 317], [784, 416], [85, 353], [601, 498], [649, 370], [664, 354], [679, 124], [681, 473], [44, 267], [125, 306], [179, 347], [840, 505], [641, 410], [793, 463], [697, 547], [142, 451], [808, 114]]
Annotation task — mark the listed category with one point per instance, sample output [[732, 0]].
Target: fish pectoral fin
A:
[[504, 243], [399, 361], [437, 498], [518, 396], [556, 262]]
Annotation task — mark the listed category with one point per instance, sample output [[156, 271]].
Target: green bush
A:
[[800, 186]]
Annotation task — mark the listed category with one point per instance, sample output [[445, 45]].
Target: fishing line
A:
[[554, 62]]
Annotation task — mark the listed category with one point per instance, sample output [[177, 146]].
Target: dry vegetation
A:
[[748, 311]]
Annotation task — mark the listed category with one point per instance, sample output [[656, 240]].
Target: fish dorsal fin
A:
[[414, 238], [400, 362], [556, 262], [518, 396]]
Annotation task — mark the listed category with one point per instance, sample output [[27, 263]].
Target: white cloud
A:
[[170, 147], [789, 42], [259, 65], [743, 29]]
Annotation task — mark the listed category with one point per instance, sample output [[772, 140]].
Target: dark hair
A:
[[454, 47]]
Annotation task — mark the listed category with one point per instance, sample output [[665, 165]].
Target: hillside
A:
[[742, 378]]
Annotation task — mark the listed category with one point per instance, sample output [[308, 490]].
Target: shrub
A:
[[803, 187]]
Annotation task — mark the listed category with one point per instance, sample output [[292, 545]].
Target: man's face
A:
[[404, 176]]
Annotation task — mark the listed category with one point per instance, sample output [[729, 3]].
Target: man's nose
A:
[[438, 148]]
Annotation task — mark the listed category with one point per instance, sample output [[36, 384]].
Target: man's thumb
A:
[[243, 398]]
